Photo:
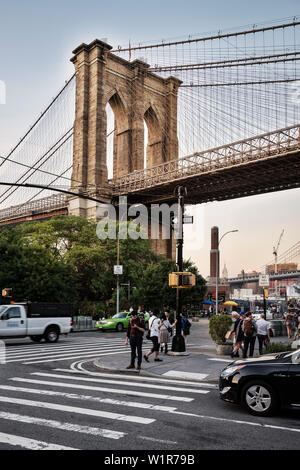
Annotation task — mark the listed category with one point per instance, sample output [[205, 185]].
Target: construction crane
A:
[[275, 253]]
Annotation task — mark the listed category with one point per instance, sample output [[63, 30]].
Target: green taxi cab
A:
[[118, 322]]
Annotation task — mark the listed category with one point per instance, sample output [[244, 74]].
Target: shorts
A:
[[154, 340]]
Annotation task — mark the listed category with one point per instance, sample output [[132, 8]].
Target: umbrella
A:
[[208, 302], [230, 302]]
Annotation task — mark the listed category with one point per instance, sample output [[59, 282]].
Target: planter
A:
[[224, 349]]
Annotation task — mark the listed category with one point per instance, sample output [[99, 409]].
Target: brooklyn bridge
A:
[[217, 114]]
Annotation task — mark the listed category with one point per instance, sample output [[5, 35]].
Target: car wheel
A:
[[259, 398], [119, 327], [51, 335]]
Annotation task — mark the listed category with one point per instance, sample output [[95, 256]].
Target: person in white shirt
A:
[[154, 327], [263, 332]]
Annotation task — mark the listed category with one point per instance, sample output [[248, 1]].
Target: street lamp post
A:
[[217, 267]]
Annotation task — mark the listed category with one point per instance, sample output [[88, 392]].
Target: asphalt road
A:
[[46, 402]]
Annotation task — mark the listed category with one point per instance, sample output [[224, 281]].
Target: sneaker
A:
[[146, 358], [158, 360], [130, 366], [138, 367]]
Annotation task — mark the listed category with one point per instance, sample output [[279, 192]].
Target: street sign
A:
[[264, 280], [186, 219], [118, 269]]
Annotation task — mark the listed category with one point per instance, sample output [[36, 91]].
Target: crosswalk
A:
[[58, 405], [69, 350]]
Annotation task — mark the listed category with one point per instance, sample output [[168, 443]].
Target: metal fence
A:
[[83, 323]]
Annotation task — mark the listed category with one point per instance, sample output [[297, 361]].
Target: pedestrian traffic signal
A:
[[266, 293], [7, 292], [182, 280]]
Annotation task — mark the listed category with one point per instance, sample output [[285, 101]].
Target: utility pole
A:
[[178, 343]]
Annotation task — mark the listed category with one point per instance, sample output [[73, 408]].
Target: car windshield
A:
[[3, 308], [120, 315]]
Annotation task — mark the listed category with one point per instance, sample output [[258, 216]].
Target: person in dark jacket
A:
[[135, 331], [238, 334]]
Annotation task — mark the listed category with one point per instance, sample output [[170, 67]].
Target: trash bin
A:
[[276, 327]]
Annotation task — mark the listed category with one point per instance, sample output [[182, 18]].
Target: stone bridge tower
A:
[[135, 96]]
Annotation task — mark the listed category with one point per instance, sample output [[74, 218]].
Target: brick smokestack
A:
[[214, 252]]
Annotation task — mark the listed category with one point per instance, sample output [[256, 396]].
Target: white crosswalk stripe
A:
[[39, 353], [25, 400]]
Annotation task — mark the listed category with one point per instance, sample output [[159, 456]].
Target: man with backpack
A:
[[250, 330]]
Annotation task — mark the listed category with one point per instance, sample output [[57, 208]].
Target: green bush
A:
[[277, 347], [218, 327]]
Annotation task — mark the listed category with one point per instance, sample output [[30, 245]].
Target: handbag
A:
[[148, 335], [229, 334]]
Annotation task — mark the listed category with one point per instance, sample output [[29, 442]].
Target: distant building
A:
[[282, 268], [223, 285], [225, 272]]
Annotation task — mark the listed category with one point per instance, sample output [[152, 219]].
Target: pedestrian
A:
[[185, 326], [263, 332], [249, 328], [165, 330], [154, 327], [297, 332], [289, 322], [135, 331], [238, 334]]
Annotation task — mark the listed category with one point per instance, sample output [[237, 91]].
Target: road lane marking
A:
[[122, 382], [63, 354], [61, 349], [152, 439], [66, 357], [236, 421], [31, 444], [140, 378], [181, 374], [104, 389], [73, 409], [133, 404], [107, 433]]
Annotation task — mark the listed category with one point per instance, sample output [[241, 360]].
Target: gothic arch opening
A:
[[154, 137], [110, 126], [117, 147]]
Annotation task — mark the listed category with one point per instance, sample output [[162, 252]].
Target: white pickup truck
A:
[[36, 320]]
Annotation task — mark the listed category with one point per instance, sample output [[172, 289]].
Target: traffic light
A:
[[182, 280], [7, 292], [266, 293]]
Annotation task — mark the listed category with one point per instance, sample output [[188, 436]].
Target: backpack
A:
[[248, 328]]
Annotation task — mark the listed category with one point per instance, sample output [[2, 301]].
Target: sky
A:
[[36, 43]]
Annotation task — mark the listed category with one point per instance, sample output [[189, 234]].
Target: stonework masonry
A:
[[135, 96]]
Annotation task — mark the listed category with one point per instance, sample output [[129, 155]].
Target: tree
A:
[[62, 259]]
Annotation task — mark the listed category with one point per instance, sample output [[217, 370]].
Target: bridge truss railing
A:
[[244, 151], [39, 206]]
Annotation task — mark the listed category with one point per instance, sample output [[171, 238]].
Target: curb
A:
[[142, 372]]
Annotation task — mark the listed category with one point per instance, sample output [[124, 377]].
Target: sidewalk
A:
[[200, 364]]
